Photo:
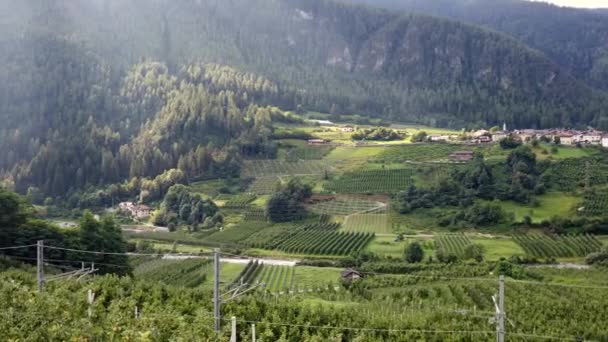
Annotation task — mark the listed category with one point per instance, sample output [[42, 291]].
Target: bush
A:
[[414, 252]]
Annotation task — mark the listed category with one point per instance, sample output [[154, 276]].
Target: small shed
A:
[[350, 274]]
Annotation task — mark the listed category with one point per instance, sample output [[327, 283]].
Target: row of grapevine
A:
[[272, 167], [595, 203], [418, 152], [452, 243], [240, 201], [369, 223], [346, 206], [248, 274], [186, 273], [287, 235], [325, 242], [277, 278], [570, 174], [553, 246], [264, 185], [372, 181], [254, 214]]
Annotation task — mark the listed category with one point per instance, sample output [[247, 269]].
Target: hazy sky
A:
[[579, 3]]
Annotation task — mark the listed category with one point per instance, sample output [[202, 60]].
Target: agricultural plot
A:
[[263, 185], [432, 173], [371, 181], [276, 278], [367, 223], [344, 206], [254, 214], [452, 243], [240, 201], [263, 237], [272, 167], [419, 152], [325, 242], [595, 203], [186, 273], [558, 246], [308, 152], [236, 234], [570, 174]]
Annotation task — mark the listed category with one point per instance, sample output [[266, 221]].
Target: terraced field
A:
[[573, 173], [595, 203], [371, 181]]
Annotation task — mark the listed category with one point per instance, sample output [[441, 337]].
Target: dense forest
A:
[[577, 39], [105, 92]]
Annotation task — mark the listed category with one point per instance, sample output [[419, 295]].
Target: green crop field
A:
[[367, 223], [371, 181], [354, 153], [320, 239], [186, 273], [556, 246], [419, 152], [264, 185], [595, 203], [265, 236], [452, 243], [272, 167], [236, 234], [346, 206], [573, 173], [276, 278], [239, 201]]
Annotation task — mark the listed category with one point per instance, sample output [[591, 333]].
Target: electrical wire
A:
[[17, 247]]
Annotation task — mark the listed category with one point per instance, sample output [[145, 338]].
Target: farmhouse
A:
[[461, 156], [138, 211], [347, 129], [591, 138], [439, 137], [497, 136], [605, 141], [350, 274], [566, 138]]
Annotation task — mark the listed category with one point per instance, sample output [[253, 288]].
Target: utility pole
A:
[[253, 332], [40, 264], [216, 288], [233, 334], [501, 308]]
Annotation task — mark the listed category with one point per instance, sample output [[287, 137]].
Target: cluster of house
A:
[[565, 137], [138, 211]]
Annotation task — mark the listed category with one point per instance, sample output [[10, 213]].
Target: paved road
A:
[[244, 260]]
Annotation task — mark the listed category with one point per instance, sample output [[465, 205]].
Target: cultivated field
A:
[[272, 167], [371, 181], [344, 206], [555, 246], [368, 223]]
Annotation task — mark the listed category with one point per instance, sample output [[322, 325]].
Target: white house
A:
[[605, 141], [593, 138], [497, 136]]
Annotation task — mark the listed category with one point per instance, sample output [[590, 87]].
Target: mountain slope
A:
[[328, 55], [576, 39]]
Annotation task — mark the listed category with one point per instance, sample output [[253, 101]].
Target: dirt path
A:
[[244, 260]]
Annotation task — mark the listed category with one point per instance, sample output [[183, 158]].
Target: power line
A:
[[130, 253], [558, 284], [17, 247]]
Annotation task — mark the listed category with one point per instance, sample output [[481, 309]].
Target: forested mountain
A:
[[576, 39], [96, 92]]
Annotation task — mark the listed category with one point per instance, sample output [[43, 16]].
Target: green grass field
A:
[[551, 204], [315, 277], [349, 153], [499, 247]]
